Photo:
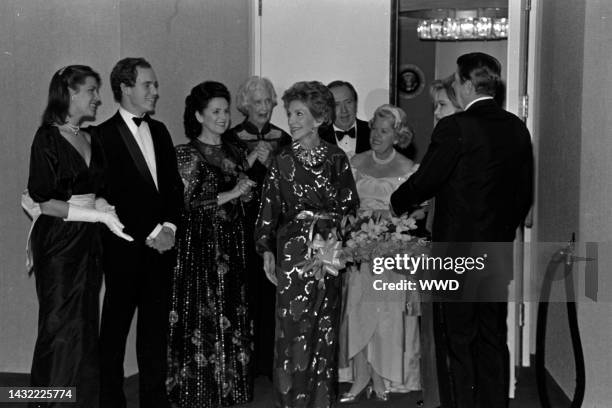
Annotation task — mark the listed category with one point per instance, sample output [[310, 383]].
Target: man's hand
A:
[[163, 241]]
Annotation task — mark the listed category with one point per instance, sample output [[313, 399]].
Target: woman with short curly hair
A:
[[308, 191]]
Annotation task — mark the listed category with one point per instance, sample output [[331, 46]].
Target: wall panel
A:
[[187, 42]]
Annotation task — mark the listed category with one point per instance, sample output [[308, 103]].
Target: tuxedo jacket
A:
[[479, 167], [363, 135], [130, 186]]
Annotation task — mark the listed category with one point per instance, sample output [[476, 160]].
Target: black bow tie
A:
[[138, 121], [341, 133]]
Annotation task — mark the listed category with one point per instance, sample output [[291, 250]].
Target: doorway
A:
[[416, 63]]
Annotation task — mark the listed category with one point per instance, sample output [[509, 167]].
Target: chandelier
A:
[[461, 25]]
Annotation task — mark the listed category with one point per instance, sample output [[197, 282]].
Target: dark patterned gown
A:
[[67, 268], [210, 341], [304, 186]]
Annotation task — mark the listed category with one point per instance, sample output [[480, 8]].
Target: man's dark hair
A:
[[483, 70], [125, 72], [338, 83]]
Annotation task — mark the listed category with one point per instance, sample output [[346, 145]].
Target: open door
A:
[[522, 33], [517, 58], [522, 44]]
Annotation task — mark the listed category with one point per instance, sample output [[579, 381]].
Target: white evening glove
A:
[[77, 213], [102, 205], [30, 207]]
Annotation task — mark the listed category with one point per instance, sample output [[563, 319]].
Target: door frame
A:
[[524, 32]]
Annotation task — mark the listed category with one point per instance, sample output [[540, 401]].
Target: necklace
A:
[[74, 129], [383, 161], [311, 157]]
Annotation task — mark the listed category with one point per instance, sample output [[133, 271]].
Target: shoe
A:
[[382, 397], [348, 398]]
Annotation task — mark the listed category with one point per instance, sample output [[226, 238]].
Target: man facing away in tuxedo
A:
[[479, 168], [145, 187]]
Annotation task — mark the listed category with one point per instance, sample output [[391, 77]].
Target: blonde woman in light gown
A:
[[383, 335]]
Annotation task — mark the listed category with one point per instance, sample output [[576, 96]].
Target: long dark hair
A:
[[197, 101], [69, 77]]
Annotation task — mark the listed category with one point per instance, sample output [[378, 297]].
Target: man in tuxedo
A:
[[479, 168], [144, 186], [349, 133]]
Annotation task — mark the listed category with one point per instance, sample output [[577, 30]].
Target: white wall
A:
[[595, 319], [325, 40], [35, 44], [186, 41]]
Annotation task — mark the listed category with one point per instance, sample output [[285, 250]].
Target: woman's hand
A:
[[111, 220], [263, 152], [102, 205], [228, 166], [269, 264], [252, 157], [243, 186]]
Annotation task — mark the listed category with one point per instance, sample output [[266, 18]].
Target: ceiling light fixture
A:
[[461, 25]]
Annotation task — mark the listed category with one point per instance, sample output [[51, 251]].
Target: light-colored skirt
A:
[[385, 325]]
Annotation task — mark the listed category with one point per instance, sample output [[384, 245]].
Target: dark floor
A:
[[526, 393]]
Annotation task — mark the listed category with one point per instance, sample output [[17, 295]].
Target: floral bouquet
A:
[[325, 256], [374, 234]]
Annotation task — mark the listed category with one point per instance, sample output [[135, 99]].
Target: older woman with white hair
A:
[[256, 100], [383, 343]]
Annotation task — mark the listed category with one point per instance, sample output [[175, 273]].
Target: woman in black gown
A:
[[210, 329], [309, 189], [66, 178]]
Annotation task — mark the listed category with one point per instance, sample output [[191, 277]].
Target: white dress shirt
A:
[[482, 98], [348, 144], [142, 135], [144, 140]]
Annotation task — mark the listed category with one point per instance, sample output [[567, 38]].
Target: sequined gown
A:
[[210, 341], [307, 314]]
